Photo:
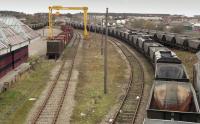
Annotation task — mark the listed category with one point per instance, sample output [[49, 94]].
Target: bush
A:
[[138, 23], [141, 23], [160, 27], [177, 29]]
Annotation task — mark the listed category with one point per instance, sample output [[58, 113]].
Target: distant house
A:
[[188, 26], [121, 21], [196, 27], [149, 18]]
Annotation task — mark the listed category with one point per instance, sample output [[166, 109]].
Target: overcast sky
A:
[[185, 7]]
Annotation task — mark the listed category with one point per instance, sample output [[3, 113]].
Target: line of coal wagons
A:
[[172, 96]]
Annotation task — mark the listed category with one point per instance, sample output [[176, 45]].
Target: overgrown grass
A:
[[90, 98], [15, 103]]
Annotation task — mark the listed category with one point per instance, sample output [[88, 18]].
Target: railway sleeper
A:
[[134, 99], [129, 107], [130, 102], [132, 95], [126, 117], [135, 92], [136, 86], [124, 121], [128, 111]]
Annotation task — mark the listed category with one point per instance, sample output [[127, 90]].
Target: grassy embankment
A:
[[91, 101], [15, 103]]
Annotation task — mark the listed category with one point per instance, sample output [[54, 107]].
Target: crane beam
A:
[[85, 11], [68, 8]]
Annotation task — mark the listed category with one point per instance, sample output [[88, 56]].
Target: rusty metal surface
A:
[[154, 113], [174, 96]]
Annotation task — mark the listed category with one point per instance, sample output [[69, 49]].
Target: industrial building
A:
[[14, 40]]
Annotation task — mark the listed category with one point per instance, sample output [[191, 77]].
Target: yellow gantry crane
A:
[[51, 8]]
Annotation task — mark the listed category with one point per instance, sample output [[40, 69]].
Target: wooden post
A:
[[105, 55]]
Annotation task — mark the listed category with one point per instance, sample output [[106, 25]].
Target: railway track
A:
[[49, 111], [127, 112]]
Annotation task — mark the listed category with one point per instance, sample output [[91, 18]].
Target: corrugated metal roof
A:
[[20, 28], [8, 36], [14, 34]]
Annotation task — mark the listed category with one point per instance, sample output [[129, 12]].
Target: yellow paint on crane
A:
[[85, 13]]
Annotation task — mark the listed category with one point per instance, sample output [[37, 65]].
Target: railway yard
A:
[[80, 69]]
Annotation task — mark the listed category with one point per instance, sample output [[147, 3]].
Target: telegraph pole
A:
[[105, 55], [102, 37], [95, 23]]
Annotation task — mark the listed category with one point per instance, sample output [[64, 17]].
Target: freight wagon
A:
[[56, 45], [54, 48], [178, 102], [159, 121], [197, 79], [177, 41]]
